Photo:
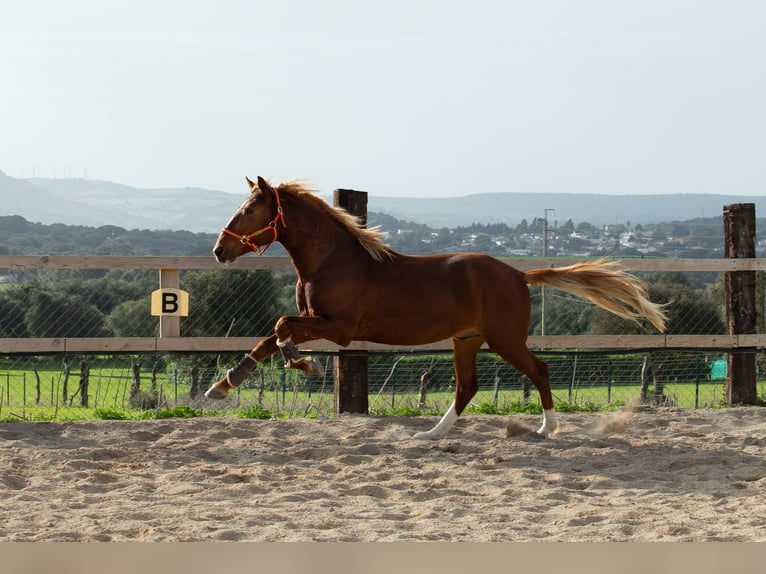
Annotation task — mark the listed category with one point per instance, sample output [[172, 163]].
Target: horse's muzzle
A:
[[222, 255]]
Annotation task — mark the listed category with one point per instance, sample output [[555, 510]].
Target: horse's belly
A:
[[394, 325]]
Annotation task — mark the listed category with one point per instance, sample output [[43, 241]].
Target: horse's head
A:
[[253, 227]]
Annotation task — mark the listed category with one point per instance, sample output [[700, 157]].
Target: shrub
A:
[[256, 412], [109, 414]]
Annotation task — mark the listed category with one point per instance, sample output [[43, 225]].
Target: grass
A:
[[110, 381]]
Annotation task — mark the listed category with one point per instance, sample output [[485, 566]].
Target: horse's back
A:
[[471, 280], [477, 268]]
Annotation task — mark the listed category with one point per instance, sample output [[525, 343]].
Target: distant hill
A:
[[96, 203]]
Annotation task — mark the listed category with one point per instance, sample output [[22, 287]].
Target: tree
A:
[[106, 293], [133, 319], [443, 239], [234, 302], [12, 309], [565, 314], [690, 311], [575, 244], [586, 228], [482, 243], [56, 315], [536, 226]]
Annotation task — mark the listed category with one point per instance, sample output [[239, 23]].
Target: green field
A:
[[273, 392]]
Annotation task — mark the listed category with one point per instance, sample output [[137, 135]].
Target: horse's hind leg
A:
[[537, 371], [466, 385]]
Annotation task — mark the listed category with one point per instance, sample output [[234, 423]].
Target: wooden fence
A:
[[169, 269]]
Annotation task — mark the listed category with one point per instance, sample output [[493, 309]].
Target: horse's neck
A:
[[312, 239]]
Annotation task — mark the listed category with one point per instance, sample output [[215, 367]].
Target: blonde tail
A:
[[605, 283]]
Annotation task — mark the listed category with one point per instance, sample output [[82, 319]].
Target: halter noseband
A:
[[247, 239]]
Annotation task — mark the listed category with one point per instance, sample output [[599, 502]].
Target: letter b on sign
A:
[[170, 302]]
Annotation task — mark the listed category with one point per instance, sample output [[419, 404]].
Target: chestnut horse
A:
[[351, 286]]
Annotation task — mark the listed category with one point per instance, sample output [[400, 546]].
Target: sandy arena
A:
[[635, 475]]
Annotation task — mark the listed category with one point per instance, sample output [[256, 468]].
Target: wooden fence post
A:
[[195, 382], [38, 386], [350, 367], [170, 325], [84, 381], [65, 384], [425, 380], [739, 242], [135, 387]]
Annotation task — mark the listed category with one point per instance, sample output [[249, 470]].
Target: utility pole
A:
[[545, 254]]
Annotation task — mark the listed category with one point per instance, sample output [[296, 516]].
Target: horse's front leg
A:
[[292, 330], [236, 375]]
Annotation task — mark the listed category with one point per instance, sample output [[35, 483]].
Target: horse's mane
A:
[[369, 238]]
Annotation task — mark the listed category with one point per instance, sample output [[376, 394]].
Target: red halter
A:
[[247, 239]]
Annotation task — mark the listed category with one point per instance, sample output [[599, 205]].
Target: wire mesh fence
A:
[[92, 386], [115, 302], [232, 302]]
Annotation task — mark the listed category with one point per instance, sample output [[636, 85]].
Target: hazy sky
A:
[[396, 97]]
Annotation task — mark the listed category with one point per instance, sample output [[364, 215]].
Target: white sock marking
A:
[[550, 424], [442, 427]]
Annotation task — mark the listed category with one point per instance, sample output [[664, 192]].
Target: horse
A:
[[351, 286]]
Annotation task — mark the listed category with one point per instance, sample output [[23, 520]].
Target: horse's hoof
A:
[[545, 432], [315, 367], [308, 365], [215, 393], [428, 435], [550, 424]]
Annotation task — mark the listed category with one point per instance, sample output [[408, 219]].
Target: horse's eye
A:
[[248, 211]]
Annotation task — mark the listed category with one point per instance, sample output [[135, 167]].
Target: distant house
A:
[[627, 239]]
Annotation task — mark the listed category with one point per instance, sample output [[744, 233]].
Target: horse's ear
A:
[[251, 184], [263, 185]]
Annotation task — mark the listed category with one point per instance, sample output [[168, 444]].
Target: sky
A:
[[406, 98]]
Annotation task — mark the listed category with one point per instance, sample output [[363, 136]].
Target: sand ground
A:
[[634, 475]]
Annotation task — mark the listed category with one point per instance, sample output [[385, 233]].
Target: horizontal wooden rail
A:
[[116, 345], [140, 262], [252, 262]]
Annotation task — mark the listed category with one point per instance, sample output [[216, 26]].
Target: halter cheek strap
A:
[[247, 239]]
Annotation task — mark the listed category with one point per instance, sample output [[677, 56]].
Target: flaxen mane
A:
[[371, 239]]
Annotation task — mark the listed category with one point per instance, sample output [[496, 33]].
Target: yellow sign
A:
[[170, 302]]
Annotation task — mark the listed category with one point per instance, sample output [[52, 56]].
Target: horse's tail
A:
[[605, 283]]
